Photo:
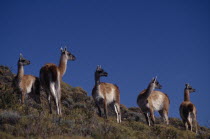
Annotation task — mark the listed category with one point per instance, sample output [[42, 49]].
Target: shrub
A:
[[79, 118], [4, 135], [10, 117]]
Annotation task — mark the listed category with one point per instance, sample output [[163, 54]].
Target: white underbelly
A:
[[110, 96], [28, 88], [158, 103]]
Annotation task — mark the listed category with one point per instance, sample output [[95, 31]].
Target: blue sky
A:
[[132, 40]]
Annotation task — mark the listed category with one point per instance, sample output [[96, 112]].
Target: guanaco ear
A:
[[98, 67], [21, 56], [155, 79], [61, 50], [187, 85], [65, 49]]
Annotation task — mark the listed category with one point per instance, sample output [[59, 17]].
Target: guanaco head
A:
[[67, 54], [100, 72], [155, 83], [189, 88], [22, 61]]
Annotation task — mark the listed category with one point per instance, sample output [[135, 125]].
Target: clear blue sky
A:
[[132, 40]]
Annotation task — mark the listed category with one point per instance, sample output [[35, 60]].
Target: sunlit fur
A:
[[27, 84], [105, 94], [150, 101], [188, 110], [51, 76]]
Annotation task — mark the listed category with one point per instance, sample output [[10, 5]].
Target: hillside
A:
[[79, 118]]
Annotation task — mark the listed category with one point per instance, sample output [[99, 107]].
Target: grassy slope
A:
[[79, 118]]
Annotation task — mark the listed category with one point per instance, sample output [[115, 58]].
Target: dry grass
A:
[[79, 119]]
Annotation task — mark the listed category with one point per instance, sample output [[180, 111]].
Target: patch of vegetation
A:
[[79, 118], [9, 117]]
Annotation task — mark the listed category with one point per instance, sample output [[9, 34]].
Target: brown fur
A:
[[49, 71], [187, 96], [105, 91], [188, 111], [51, 76], [185, 109], [153, 97], [28, 81], [26, 84], [191, 107]]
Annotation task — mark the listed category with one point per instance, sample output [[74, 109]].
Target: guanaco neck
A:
[[20, 73], [63, 64], [149, 90], [186, 95], [97, 80]]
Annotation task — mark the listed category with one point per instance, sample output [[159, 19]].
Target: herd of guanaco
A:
[[149, 100]]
